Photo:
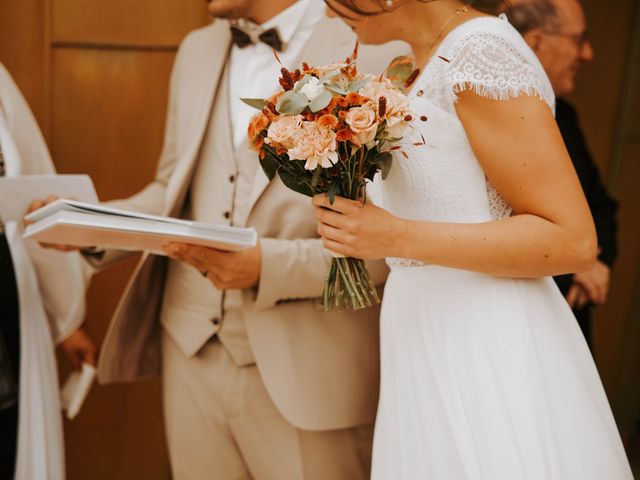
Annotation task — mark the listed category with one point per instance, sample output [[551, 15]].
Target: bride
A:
[[485, 374]]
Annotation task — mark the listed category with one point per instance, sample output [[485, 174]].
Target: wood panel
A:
[[108, 111], [156, 23], [22, 51]]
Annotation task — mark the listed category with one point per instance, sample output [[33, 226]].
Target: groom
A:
[[258, 382]]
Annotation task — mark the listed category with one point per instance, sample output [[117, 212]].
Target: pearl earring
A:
[[389, 3]]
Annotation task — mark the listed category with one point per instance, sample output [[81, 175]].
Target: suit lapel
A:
[[200, 83]]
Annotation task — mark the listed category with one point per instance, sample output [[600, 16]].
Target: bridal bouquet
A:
[[330, 130]]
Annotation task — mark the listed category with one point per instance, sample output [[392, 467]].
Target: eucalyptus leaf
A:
[[357, 85], [257, 103], [329, 75], [321, 101], [332, 87], [291, 103], [384, 161], [303, 81], [400, 69]]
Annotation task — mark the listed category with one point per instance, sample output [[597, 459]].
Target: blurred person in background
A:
[[40, 305], [556, 31]]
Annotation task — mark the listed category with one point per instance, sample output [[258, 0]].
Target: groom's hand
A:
[[226, 270]]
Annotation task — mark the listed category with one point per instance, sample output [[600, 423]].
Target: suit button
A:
[[232, 178], [216, 321], [227, 215]]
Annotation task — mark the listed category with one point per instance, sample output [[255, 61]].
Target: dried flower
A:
[[286, 81]]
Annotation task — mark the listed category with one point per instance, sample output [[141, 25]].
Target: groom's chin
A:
[[228, 9]]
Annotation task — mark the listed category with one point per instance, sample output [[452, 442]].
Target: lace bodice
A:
[[442, 181]]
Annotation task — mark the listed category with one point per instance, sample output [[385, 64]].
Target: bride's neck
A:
[[424, 25]]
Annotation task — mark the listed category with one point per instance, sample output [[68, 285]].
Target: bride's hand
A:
[[355, 230]]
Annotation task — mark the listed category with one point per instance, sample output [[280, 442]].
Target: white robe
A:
[[51, 288]]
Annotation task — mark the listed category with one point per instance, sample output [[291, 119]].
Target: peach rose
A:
[[398, 106], [316, 145], [282, 130], [362, 121]]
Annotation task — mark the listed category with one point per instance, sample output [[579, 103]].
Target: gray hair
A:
[[526, 15]]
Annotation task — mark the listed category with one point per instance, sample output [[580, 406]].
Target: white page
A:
[[76, 388], [127, 233], [66, 205], [17, 193]]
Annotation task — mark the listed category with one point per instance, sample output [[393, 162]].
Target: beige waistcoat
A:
[[193, 309]]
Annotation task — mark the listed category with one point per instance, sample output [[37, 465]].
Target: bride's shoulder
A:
[[487, 55], [488, 32]]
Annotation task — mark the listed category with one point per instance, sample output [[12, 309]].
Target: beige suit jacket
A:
[[320, 369]]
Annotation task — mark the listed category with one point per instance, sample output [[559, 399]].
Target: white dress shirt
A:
[[254, 70]]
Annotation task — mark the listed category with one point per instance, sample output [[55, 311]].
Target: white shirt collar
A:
[[298, 16]]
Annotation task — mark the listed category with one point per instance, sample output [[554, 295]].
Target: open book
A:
[[82, 224]]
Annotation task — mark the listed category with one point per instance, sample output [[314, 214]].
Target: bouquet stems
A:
[[348, 286]]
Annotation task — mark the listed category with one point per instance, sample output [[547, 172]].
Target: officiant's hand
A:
[[226, 270], [37, 205], [350, 228], [79, 348]]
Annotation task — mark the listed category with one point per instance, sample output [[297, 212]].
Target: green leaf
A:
[[257, 103], [303, 81], [270, 164], [384, 161], [295, 182], [291, 103], [317, 173], [357, 85], [335, 89], [329, 75], [400, 69], [321, 101], [334, 189]]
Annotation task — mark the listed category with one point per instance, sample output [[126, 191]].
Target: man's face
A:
[[563, 49], [231, 9]]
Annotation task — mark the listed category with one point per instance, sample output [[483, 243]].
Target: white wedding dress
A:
[[482, 377]]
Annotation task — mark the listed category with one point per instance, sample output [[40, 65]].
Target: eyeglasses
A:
[[580, 39]]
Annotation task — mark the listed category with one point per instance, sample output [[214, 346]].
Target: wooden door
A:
[[96, 76]]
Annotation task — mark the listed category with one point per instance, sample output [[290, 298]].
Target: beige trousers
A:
[[221, 424]]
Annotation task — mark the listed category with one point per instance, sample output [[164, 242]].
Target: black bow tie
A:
[[270, 37]]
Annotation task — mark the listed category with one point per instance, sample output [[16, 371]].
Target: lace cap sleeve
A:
[[496, 63]]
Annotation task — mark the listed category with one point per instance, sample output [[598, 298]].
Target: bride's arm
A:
[[520, 148]]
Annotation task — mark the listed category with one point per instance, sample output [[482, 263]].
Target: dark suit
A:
[[602, 206]]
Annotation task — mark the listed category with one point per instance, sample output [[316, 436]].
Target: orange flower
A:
[[342, 114], [342, 102], [328, 120], [258, 123], [353, 98], [344, 135]]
